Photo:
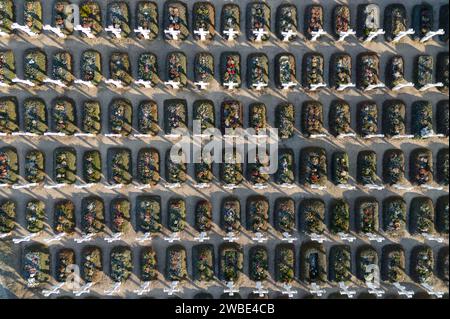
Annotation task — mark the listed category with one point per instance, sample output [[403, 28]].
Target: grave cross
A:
[[173, 185], [144, 289], [231, 237], [23, 28], [372, 87], [260, 290], [431, 86], [87, 83], [231, 289], [114, 289], [86, 31], [202, 33], [259, 33], [317, 290], [116, 31], [174, 84], [345, 290], [374, 289], [85, 238], [287, 86], [25, 186], [24, 239], [346, 237], [403, 187], [144, 32], [26, 82], [315, 35], [288, 186], [202, 85], [85, 186], [202, 237], [343, 87], [432, 237], [287, 35], [431, 34], [374, 237], [23, 134], [372, 35], [173, 238], [403, 34], [431, 187], [4, 185], [231, 85], [173, 33], [58, 237], [288, 238], [344, 35], [55, 30], [432, 292], [318, 238], [55, 290], [231, 33], [402, 291], [259, 86], [287, 290], [173, 288], [114, 237], [55, 186], [146, 84], [144, 238], [86, 289], [315, 87], [374, 187], [401, 86], [55, 82], [117, 83], [313, 186], [346, 186], [259, 237]]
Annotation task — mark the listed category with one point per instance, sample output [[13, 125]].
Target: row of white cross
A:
[[260, 290]]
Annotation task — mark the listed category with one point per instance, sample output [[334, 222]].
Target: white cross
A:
[[145, 32], [86, 31], [117, 186], [403, 187], [173, 33], [260, 186], [23, 28], [146, 84], [145, 186], [430, 290], [346, 237], [58, 237], [259, 33], [374, 187], [85, 135], [56, 186], [317, 290], [4, 185], [431, 237], [372, 35], [55, 30], [231, 237], [287, 86], [116, 31], [403, 34], [85, 238], [374, 237], [431, 34], [55, 82], [313, 186], [3, 84], [432, 188], [173, 185], [372, 87], [231, 33], [315, 87], [259, 86], [25, 239], [23, 134], [343, 87], [57, 134], [202, 85], [174, 84], [143, 136], [202, 33], [114, 237], [374, 289], [4, 235], [259, 237], [143, 289], [117, 83], [114, 289], [367, 137], [289, 238], [230, 186], [346, 186], [260, 290], [173, 288], [231, 289], [86, 289], [318, 238], [344, 35], [287, 35], [345, 290], [173, 238], [401, 86], [288, 186], [113, 135], [402, 291], [202, 237], [431, 86], [26, 82], [144, 238], [202, 185], [317, 34], [87, 83], [26, 186], [287, 290], [431, 135], [55, 290], [231, 85]]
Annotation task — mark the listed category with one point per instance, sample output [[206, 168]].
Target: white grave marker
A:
[[231, 33], [432, 292], [55, 30], [87, 31], [56, 238], [319, 238], [117, 32], [344, 35], [343, 87], [231, 237], [402, 291], [23, 28], [174, 84], [372, 87], [315, 35], [432, 34], [173, 238], [347, 237], [202, 237], [431, 86], [202, 85], [231, 85], [231, 290], [372, 35], [173, 288], [260, 290], [114, 289], [86, 289], [144, 32], [26, 82], [317, 290], [55, 290], [144, 238], [287, 35], [202, 33], [145, 84], [86, 83], [259, 34], [115, 237], [173, 33], [288, 238], [260, 238], [143, 289], [85, 238], [345, 290], [24, 239], [55, 82], [287, 290], [403, 34]]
